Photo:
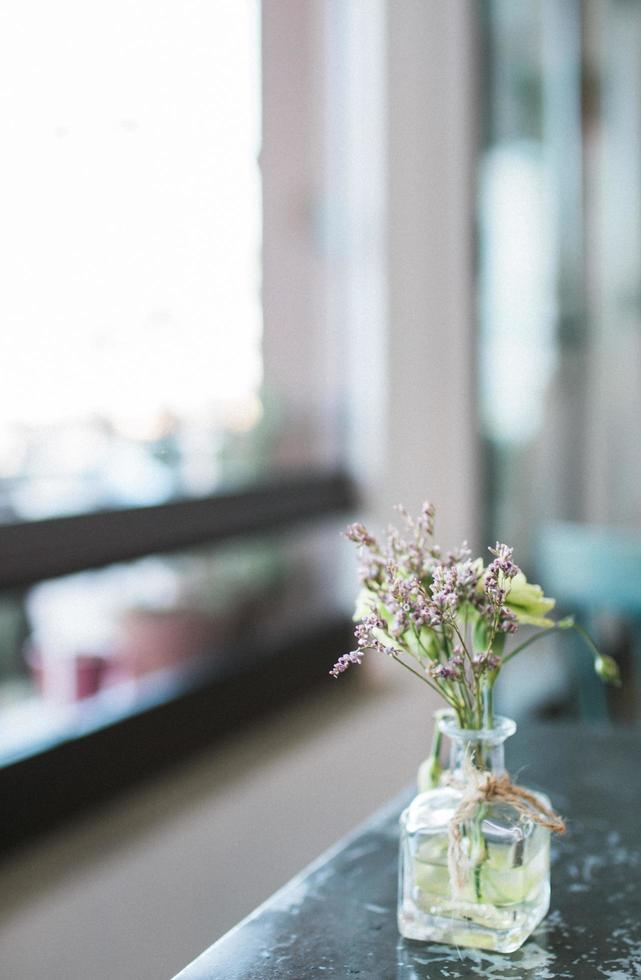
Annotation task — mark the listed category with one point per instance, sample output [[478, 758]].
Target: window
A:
[[560, 337], [130, 248], [165, 384], [559, 265]]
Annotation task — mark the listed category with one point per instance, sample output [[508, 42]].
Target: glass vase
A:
[[492, 889]]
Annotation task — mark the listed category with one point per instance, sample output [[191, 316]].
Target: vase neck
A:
[[482, 748]]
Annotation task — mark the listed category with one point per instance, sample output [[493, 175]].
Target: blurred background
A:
[[269, 267]]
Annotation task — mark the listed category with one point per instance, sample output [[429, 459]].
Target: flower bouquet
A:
[[474, 859]]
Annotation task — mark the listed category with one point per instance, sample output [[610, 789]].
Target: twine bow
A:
[[482, 787]]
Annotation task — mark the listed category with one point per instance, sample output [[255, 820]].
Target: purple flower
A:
[[442, 608], [496, 585], [485, 662], [451, 670], [364, 632], [443, 615], [341, 665], [425, 522], [508, 621], [416, 553], [503, 561], [359, 534], [459, 555], [372, 562]]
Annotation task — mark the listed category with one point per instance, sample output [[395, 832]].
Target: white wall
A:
[[432, 112]]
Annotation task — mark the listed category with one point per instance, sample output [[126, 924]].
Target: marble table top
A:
[[338, 917]]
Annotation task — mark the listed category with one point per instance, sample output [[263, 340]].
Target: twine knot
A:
[[484, 787]]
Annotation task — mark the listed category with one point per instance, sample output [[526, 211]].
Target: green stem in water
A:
[[431, 769], [488, 703], [481, 850]]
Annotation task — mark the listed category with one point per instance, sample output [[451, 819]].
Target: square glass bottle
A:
[[492, 889]]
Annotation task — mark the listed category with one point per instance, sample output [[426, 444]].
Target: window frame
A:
[[37, 550]]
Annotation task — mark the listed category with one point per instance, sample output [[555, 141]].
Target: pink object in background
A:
[[68, 678], [152, 640]]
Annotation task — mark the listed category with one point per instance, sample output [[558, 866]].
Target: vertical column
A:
[[432, 119]]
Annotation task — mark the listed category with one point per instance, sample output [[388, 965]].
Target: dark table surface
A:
[[338, 918]]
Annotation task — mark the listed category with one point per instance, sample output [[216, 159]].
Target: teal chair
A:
[[592, 570]]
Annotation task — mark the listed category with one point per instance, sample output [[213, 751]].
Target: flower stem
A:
[[537, 636], [488, 704], [424, 679]]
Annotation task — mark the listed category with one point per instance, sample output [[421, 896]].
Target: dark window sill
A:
[[48, 787]]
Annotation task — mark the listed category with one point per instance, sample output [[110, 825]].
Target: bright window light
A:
[[130, 246]]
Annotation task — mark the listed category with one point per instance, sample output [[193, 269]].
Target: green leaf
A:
[[409, 640], [364, 602], [480, 635], [498, 644], [429, 774], [529, 603], [429, 644]]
